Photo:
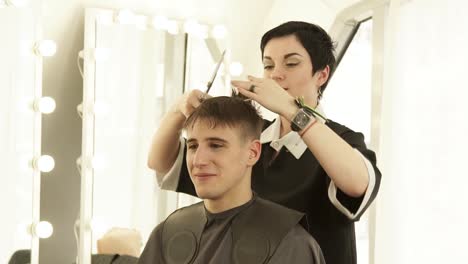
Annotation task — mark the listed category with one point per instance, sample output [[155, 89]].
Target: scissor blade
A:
[[215, 72]]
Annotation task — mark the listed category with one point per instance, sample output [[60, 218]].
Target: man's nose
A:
[[200, 157]]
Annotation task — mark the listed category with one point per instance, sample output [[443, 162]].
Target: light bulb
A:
[[160, 22], [125, 17], [236, 68], [194, 28], [172, 27], [191, 26], [43, 229], [219, 32], [45, 48], [45, 105], [45, 163]]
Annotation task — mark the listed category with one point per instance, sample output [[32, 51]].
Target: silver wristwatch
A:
[[301, 119]]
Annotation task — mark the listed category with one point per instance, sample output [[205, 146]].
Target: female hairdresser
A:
[[308, 163]]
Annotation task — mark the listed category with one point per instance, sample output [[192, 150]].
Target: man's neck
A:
[[228, 202]]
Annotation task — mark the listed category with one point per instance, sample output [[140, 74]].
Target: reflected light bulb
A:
[[172, 27], [191, 26], [45, 48], [160, 22], [43, 229], [45, 163], [45, 105], [236, 68], [125, 17], [219, 32]]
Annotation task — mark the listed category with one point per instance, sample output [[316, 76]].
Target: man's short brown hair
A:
[[227, 111]]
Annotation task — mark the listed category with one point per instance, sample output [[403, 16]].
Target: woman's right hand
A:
[[190, 101]]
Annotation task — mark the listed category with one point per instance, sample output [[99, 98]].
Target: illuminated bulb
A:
[[196, 29], [172, 27], [45, 48], [45, 105], [191, 26], [43, 229], [236, 68], [219, 32], [125, 17], [160, 22], [45, 163]]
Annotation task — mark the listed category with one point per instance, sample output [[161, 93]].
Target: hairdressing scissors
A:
[[213, 77]]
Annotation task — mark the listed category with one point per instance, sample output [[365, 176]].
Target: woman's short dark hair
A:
[[233, 112], [313, 38]]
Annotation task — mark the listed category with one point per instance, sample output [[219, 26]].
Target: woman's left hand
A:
[[268, 93]]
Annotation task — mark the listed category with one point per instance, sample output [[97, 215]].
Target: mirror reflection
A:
[[138, 72]]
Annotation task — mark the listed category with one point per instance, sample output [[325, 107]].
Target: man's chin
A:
[[204, 194]]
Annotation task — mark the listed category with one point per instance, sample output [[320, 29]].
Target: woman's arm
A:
[[165, 144], [340, 161]]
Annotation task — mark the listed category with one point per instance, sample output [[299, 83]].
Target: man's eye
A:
[[192, 146], [215, 146]]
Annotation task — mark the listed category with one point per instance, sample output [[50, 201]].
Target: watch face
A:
[[301, 119]]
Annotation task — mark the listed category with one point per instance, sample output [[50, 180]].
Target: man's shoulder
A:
[[299, 235], [191, 217]]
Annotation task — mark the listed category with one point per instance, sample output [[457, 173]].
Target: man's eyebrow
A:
[[285, 56], [190, 140], [216, 139]]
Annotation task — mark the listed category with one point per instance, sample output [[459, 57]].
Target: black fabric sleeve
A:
[[356, 140], [152, 253], [185, 184]]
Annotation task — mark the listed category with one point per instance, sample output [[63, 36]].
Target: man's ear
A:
[[255, 149], [322, 75]]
